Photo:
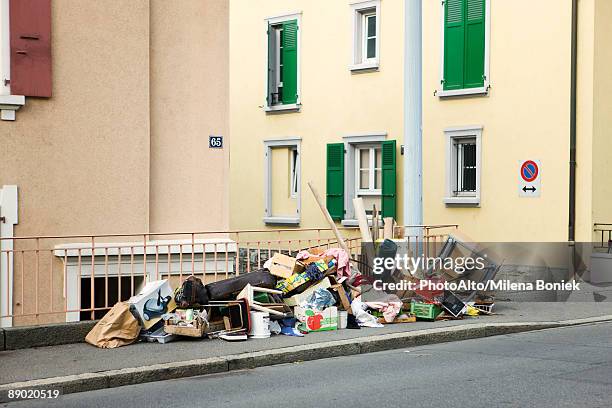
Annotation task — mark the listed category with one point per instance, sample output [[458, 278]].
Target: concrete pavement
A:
[[564, 367], [79, 367]]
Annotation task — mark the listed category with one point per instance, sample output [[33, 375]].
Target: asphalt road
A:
[[550, 368]]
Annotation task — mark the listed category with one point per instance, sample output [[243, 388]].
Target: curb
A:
[[16, 338], [160, 372]]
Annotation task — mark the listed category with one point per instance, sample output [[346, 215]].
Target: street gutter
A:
[[214, 365]]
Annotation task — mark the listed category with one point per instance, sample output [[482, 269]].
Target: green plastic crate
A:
[[425, 311]]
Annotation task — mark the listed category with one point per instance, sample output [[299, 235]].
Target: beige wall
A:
[[602, 113], [335, 102], [584, 121], [525, 115], [80, 158], [189, 102], [122, 146], [138, 87]]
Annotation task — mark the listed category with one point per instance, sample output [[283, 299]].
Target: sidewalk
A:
[[78, 359]]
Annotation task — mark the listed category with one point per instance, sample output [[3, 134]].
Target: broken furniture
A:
[[248, 293], [228, 317]]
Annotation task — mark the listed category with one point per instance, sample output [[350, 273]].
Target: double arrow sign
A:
[[532, 189]]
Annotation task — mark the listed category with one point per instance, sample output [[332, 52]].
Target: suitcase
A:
[[227, 289]]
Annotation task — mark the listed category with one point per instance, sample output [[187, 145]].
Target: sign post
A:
[[530, 179]]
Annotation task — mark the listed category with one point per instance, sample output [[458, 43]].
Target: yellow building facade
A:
[[344, 98], [476, 133]]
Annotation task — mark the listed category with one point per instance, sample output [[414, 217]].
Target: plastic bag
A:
[[320, 299], [364, 319]]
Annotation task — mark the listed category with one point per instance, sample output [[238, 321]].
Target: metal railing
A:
[[603, 234], [49, 279]]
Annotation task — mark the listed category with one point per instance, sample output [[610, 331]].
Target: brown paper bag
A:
[[117, 328]]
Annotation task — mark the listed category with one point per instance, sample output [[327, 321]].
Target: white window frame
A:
[[9, 104], [453, 135], [273, 20], [359, 13], [366, 37], [371, 190], [269, 217], [351, 142], [77, 262], [484, 90]]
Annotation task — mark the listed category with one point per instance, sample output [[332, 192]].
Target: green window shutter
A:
[[389, 188], [475, 43], [454, 44], [335, 180], [289, 58]]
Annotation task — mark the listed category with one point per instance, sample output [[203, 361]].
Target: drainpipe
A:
[[413, 158], [572, 162]]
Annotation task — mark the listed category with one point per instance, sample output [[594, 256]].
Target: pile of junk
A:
[[318, 289], [314, 291]]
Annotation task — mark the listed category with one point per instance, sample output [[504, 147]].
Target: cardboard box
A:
[[304, 296], [294, 281], [316, 258], [197, 329], [337, 286], [284, 266], [317, 320], [152, 291]]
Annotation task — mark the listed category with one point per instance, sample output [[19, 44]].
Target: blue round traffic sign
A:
[[529, 171]]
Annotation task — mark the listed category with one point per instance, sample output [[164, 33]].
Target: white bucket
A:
[[260, 325], [342, 319]]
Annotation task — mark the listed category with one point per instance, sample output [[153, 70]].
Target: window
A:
[[282, 63], [366, 33], [463, 166], [282, 181], [363, 166], [369, 36], [368, 170], [465, 161], [466, 44]]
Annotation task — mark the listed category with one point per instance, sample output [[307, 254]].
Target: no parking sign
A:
[[530, 180]]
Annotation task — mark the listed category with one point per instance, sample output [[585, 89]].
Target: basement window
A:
[[119, 289]]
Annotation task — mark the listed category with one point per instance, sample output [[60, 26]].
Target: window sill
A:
[[364, 67], [462, 201], [281, 220], [463, 92], [9, 104], [368, 193], [355, 223], [294, 107], [350, 223]]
